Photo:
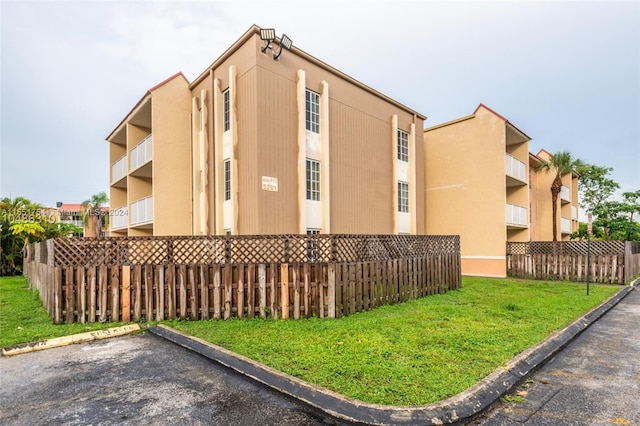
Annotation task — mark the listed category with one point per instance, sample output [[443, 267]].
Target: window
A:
[[403, 145], [313, 111], [227, 232], [313, 180], [313, 231], [403, 197], [227, 180], [226, 119]]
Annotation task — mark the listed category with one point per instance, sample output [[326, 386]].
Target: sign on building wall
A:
[[269, 184]]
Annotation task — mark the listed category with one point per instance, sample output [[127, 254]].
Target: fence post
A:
[[331, 291]]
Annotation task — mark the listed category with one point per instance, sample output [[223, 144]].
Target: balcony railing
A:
[[142, 211], [141, 153], [515, 168], [565, 225], [516, 215], [119, 169], [119, 218], [574, 212], [564, 194]]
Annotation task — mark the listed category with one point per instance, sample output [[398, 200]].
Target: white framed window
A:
[[403, 145], [313, 246], [313, 231], [227, 232], [313, 180], [226, 111], [313, 111], [227, 180], [403, 197]]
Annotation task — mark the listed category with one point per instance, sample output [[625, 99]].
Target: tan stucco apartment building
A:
[[482, 184], [262, 146]]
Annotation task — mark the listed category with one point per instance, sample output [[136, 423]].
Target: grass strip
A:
[[414, 353], [24, 320]]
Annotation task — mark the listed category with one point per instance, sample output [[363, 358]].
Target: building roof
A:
[[75, 207], [144, 98], [254, 29], [480, 105]]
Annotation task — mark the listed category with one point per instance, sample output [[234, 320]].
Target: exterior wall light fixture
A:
[[268, 35], [286, 43]]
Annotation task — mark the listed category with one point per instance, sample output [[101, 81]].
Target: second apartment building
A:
[[482, 184], [262, 146]]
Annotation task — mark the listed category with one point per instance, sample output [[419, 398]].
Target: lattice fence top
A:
[[598, 248], [249, 249]]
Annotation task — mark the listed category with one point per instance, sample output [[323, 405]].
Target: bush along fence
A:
[[612, 262], [279, 276]]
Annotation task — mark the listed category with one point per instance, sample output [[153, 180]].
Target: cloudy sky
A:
[[566, 73]]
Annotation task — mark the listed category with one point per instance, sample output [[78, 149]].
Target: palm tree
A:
[[560, 163], [92, 214]]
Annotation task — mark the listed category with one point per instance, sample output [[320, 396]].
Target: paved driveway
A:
[[136, 379], [595, 380]]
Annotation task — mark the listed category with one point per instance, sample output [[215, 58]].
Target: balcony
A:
[[141, 156], [565, 195], [565, 226], [142, 211], [516, 216], [515, 170], [119, 218], [574, 212], [119, 171]]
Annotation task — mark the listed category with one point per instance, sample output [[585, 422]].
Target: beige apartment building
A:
[[482, 183], [477, 187], [257, 145]]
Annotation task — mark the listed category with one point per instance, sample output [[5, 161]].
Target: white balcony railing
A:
[[515, 168], [119, 169], [119, 218], [516, 215], [142, 211], [565, 225], [574, 212], [564, 194], [141, 153]]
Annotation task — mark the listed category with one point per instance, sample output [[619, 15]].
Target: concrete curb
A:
[[459, 408], [71, 339]]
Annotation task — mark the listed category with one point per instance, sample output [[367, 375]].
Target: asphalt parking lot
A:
[[133, 380], [595, 380]]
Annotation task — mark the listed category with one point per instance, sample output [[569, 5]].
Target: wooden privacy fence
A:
[[613, 262], [122, 282]]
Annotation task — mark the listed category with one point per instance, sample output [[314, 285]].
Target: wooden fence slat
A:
[[182, 289], [295, 275], [126, 293], [57, 296], [137, 292], [262, 290], [284, 290], [331, 290], [81, 301], [204, 292], [251, 292], [161, 291], [171, 291], [306, 276], [192, 292], [273, 280], [115, 294], [102, 284], [148, 291], [241, 281], [216, 292], [69, 299], [91, 278], [228, 289]]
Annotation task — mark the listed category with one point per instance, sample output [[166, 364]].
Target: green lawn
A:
[[23, 319], [414, 353]]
